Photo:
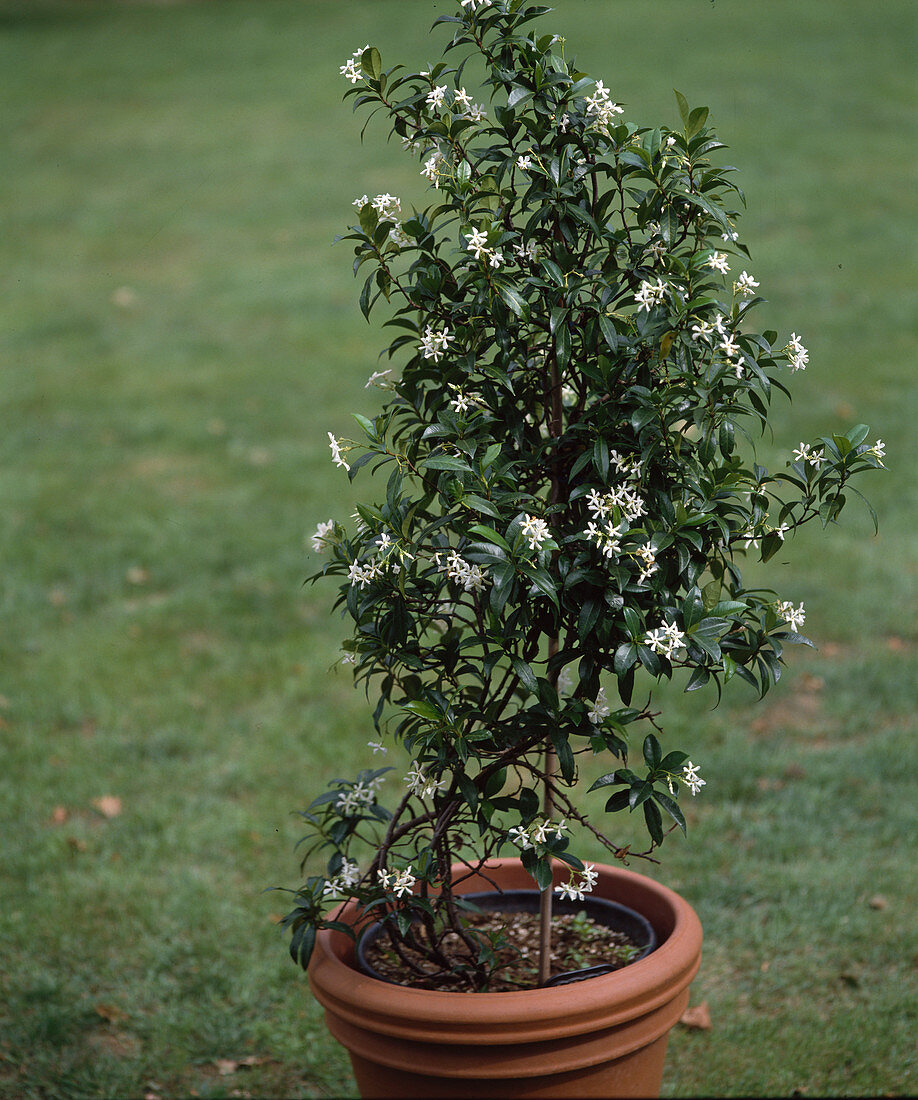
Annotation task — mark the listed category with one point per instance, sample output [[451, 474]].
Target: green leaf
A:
[[692, 608], [671, 806], [618, 802], [696, 121], [302, 943], [423, 710], [633, 622], [565, 756], [368, 426], [858, 434], [447, 462], [683, 107], [609, 333], [518, 95], [654, 820], [698, 679], [525, 674], [371, 63], [491, 535], [513, 299]]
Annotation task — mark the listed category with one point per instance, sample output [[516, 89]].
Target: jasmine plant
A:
[[567, 436]]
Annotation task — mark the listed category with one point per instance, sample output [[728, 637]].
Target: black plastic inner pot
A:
[[609, 914]]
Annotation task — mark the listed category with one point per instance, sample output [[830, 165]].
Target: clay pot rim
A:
[[640, 985]]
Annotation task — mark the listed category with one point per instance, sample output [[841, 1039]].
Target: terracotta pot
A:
[[602, 1037]]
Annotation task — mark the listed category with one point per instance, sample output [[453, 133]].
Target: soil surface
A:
[[577, 942]]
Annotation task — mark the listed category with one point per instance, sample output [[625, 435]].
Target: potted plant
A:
[[567, 433]]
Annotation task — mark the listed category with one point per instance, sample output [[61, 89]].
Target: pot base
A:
[[603, 1037], [637, 1074]]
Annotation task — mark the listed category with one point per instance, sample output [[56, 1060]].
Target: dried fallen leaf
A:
[[698, 1017], [59, 815], [108, 805], [137, 575], [111, 1013], [226, 1066], [878, 902]]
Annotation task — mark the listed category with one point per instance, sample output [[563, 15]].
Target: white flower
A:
[[461, 98], [519, 836], [528, 251], [457, 569], [460, 403], [398, 236], [599, 709], [650, 294], [535, 530], [665, 640], [476, 113], [356, 797], [569, 891], [649, 558], [363, 575], [781, 530], [496, 258], [377, 746], [575, 890], [351, 68], [540, 832], [797, 353], [380, 378], [691, 778], [361, 202], [670, 142], [474, 5], [385, 877], [436, 96], [320, 539], [795, 618], [730, 348], [718, 261], [601, 109], [746, 285], [349, 875], [421, 784], [477, 242], [817, 458], [336, 452], [524, 163], [431, 167], [702, 330], [404, 880], [387, 206], [730, 236], [802, 453], [879, 449], [433, 343]]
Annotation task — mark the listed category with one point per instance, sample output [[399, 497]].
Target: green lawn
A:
[[177, 334]]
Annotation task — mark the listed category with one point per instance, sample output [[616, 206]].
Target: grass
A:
[[178, 335]]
